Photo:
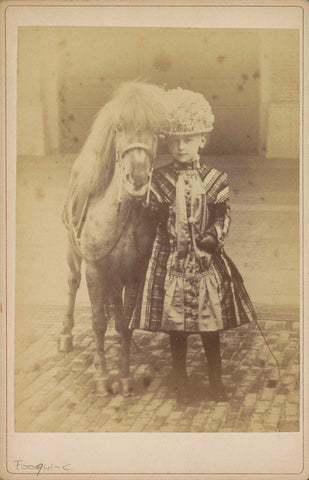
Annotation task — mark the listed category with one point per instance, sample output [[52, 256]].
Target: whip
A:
[[192, 222]]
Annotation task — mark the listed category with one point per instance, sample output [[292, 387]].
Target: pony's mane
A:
[[139, 107], [135, 107]]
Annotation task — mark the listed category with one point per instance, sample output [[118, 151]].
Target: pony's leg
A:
[[126, 383], [74, 261], [97, 295], [124, 364]]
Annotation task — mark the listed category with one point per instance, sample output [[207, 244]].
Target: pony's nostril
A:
[[137, 181], [129, 178], [141, 180], [134, 181]]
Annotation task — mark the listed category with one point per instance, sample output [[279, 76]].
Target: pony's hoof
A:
[[65, 343], [103, 388], [114, 388], [126, 385]]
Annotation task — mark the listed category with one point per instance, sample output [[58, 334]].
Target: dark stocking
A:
[[211, 344], [178, 344]]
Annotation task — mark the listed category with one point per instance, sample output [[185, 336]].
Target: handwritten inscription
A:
[[41, 467]]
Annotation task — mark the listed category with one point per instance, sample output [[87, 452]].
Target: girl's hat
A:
[[188, 113]]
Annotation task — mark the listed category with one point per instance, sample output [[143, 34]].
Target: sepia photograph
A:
[[159, 228]]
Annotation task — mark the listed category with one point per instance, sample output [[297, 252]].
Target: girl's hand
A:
[[209, 243]]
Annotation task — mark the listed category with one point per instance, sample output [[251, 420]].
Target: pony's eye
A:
[[119, 128]]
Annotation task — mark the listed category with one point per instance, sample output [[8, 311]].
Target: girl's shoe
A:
[[218, 392], [182, 389]]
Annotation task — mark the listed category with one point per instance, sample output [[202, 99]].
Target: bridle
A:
[[120, 159]]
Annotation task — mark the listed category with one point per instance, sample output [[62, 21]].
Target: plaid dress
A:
[[186, 289]]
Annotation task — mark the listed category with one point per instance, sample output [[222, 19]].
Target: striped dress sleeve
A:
[[157, 205], [220, 210]]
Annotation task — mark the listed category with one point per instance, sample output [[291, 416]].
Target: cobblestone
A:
[[54, 392], [288, 379], [262, 406], [140, 423], [279, 399], [293, 397], [250, 400], [268, 394], [272, 418], [256, 422], [291, 409]]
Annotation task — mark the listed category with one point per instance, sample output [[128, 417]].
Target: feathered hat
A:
[[188, 113]]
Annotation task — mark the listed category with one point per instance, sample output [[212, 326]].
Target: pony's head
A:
[[125, 131], [135, 155], [139, 114]]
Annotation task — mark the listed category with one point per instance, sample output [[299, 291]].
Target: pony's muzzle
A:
[[136, 164], [137, 191], [137, 181]]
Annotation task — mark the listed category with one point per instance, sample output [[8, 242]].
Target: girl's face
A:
[[185, 148]]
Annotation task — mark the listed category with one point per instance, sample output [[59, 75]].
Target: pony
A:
[[107, 217]]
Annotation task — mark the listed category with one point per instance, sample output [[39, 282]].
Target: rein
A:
[[75, 240], [141, 146]]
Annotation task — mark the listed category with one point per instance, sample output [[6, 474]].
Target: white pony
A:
[[107, 219]]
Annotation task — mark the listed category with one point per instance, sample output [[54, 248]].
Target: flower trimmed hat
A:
[[188, 113]]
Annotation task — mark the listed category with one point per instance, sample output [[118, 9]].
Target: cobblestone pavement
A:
[[54, 392]]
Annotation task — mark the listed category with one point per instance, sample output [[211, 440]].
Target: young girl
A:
[[191, 286]]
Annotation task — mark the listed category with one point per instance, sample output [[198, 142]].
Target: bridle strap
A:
[[141, 146]]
